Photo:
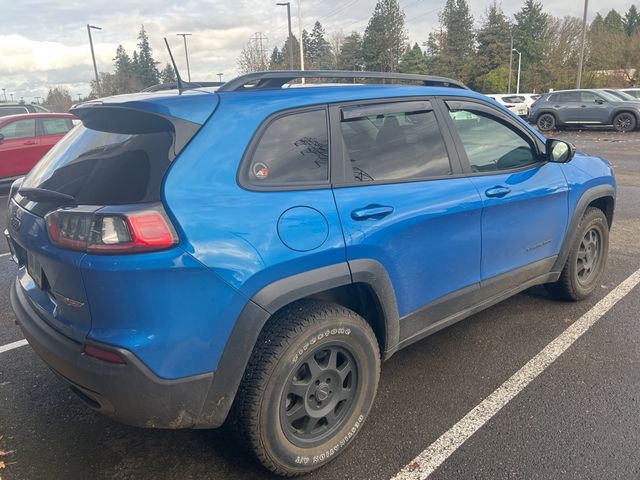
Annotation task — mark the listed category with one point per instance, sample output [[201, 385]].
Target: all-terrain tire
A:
[[585, 264], [312, 358]]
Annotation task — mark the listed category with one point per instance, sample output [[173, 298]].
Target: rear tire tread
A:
[[282, 329]]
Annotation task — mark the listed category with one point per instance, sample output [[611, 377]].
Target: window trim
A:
[[244, 179], [343, 176], [482, 106]]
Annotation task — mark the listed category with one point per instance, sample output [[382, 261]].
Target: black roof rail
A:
[[277, 78]]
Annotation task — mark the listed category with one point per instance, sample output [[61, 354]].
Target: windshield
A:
[[622, 95], [608, 96]]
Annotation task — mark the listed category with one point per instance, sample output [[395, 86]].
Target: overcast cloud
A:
[[44, 42]]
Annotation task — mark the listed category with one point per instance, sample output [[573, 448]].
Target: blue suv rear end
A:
[[255, 252]]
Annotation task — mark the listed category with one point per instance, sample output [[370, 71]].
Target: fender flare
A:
[[269, 300], [594, 193]]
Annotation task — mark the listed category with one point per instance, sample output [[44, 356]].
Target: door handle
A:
[[31, 142], [375, 212], [497, 191], [583, 106]]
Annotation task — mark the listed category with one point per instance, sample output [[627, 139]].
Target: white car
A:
[[632, 91], [515, 103], [530, 98]]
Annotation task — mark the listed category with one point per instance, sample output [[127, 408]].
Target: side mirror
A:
[[1, 138], [559, 151]]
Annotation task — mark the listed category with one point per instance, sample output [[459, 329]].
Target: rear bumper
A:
[[129, 393]]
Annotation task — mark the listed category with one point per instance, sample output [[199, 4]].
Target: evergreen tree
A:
[[59, 99], [350, 56], [493, 40], [598, 23], [319, 54], [147, 67], [613, 22], [384, 38], [122, 61], [168, 75], [276, 62], [632, 21], [531, 22], [413, 61]]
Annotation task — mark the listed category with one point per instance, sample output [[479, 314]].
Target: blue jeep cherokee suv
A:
[[254, 251]]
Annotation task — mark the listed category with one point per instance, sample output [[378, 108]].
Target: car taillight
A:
[[108, 230]]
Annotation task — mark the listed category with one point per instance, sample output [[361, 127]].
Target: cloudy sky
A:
[[44, 43]]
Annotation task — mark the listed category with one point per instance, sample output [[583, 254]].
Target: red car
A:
[[25, 138]]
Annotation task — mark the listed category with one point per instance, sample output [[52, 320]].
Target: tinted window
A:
[[491, 144], [292, 149], [99, 168], [55, 126], [395, 146], [11, 110], [513, 99], [19, 129], [566, 97]]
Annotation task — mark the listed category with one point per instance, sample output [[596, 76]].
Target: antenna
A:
[[179, 80]]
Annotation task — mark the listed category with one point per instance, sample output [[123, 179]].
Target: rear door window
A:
[[292, 150], [55, 126], [394, 142], [19, 129]]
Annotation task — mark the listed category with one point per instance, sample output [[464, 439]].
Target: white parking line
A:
[[5, 254], [11, 346], [433, 456]]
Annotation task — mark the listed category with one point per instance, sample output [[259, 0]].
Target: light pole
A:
[[220, 76], [79, 96], [186, 52], [11, 96], [290, 40], [93, 56], [510, 63], [584, 36], [519, 65], [301, 41], [4, 92]]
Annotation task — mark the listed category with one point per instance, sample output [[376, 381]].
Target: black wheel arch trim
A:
[[269, 300], [594, 193], [620, 110]]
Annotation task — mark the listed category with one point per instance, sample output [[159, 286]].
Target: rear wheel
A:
[[586, 261], [308, 388], [546, 122], [624, 122]]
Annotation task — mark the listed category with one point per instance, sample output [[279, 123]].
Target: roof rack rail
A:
[[277, 78]]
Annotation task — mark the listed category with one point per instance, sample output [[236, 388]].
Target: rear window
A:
[[103, 168], [513, 99]]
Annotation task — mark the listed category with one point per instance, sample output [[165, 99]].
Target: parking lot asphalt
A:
[[578, 419]]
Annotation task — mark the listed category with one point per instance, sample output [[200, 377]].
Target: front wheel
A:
[[586, 261], [546, 122], [308, 388], [624, 122]]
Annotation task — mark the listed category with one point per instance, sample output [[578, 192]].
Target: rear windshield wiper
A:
[[44, 195]]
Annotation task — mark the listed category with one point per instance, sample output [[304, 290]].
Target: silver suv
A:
[[584, 107]]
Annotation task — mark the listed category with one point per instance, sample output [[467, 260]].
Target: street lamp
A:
[[290, 39], [4, 92], [220, 76], [186, 53], [11, 96], [519, 65], [584, 37], [79, 96], [93, 56]]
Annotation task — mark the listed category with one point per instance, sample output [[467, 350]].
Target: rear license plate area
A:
[[34, 269]]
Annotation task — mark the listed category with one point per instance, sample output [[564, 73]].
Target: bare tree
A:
[[254, 57]]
